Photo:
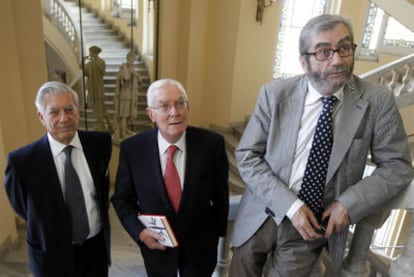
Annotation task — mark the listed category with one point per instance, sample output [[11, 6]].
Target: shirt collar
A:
[[57, 147], [163, 144], [314, 95]]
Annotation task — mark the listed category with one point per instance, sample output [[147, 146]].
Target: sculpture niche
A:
[[95, 71], [126, 97]]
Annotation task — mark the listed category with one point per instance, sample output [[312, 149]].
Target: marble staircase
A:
[[115, 47], [232, 136]]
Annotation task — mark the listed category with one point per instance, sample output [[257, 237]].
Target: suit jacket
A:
[[33, 187], [367, 122], [202, 214]]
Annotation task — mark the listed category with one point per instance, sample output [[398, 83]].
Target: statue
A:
[[126, 97], [95, 71]]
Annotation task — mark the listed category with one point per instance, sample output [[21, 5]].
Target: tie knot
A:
[[68, 150], [328, 100], [171, 151]]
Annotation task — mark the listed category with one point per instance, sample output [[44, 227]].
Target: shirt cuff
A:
[[294, 208]]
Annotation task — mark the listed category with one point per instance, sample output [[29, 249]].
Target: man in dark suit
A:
[[274, 219], [36, 187], [199, 218]]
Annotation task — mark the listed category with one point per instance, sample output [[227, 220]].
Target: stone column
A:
[[223, 255], [356, 263], [403, 266]]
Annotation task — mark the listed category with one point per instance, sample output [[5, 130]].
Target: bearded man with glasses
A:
[[303, 154]]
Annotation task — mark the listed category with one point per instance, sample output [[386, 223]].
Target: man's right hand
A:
[[150, 238], [306, 223]]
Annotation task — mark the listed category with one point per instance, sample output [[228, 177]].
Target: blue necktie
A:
[[313, 185], [75, 200]]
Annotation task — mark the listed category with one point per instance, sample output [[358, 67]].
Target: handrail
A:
[[55, 10], [398, 76]]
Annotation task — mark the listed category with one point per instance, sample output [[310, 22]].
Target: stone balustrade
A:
[[58, 15], [398, 76], [356, 263], [223, 257]]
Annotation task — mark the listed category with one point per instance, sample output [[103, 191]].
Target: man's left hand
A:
[[338, 218]]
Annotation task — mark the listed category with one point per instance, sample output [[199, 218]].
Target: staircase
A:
[[232, 137], [115, 47]]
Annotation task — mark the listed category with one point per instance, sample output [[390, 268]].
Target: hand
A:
[[306, 223], [150, 239], [338, 218]]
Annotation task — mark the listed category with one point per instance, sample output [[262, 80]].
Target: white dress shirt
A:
[[179, 157], [82, 169], [312, 109]]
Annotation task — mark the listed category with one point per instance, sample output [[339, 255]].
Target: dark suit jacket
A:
[[202, 215], [34, 191]]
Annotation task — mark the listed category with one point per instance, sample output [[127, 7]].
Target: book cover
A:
[[160, 225]]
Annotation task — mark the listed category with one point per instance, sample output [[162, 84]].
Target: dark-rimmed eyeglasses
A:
[[324, 54]]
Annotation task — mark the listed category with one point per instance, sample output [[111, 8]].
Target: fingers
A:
[[151, 239], [306, 224], [338, 218]]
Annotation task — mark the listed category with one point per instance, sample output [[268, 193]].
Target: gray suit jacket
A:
[[367, 122]]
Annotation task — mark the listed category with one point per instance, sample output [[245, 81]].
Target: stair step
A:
[[236, 184], [115, 48]]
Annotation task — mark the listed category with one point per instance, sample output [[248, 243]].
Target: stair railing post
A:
[[223, 255], [85, 105], [403, 266]]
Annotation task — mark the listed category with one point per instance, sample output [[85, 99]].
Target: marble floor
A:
[[126, 258]]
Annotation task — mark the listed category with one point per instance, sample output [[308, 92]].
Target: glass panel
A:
[[295, 14], [126, 9], [395, 37]]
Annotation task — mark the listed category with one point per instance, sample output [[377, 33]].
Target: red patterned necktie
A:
[[172, 179]]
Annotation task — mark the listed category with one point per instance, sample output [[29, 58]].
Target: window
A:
[[384, 34], [126, 9], [295, 14], [149, 27]]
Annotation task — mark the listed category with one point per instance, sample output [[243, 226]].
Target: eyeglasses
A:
[[166, 108], [324, 54]]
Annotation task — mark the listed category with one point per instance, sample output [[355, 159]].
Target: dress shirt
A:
[[311, 111], [82, 169], [179, 157]]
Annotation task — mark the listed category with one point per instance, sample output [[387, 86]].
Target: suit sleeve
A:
[[107, 177], [391, 155], [253, 163], [124, 199], [15, 191], [221, 192]]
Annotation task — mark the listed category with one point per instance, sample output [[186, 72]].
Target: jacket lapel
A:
[[90, 155], [191, 163], [49, 180], [347, 122], [289, 116]]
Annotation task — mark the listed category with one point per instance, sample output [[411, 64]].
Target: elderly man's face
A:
[[330, 75], [170, 112], [60, 116]]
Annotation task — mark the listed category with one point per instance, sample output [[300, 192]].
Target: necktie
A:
[[172, 179], [314, 179], [75, 200]]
